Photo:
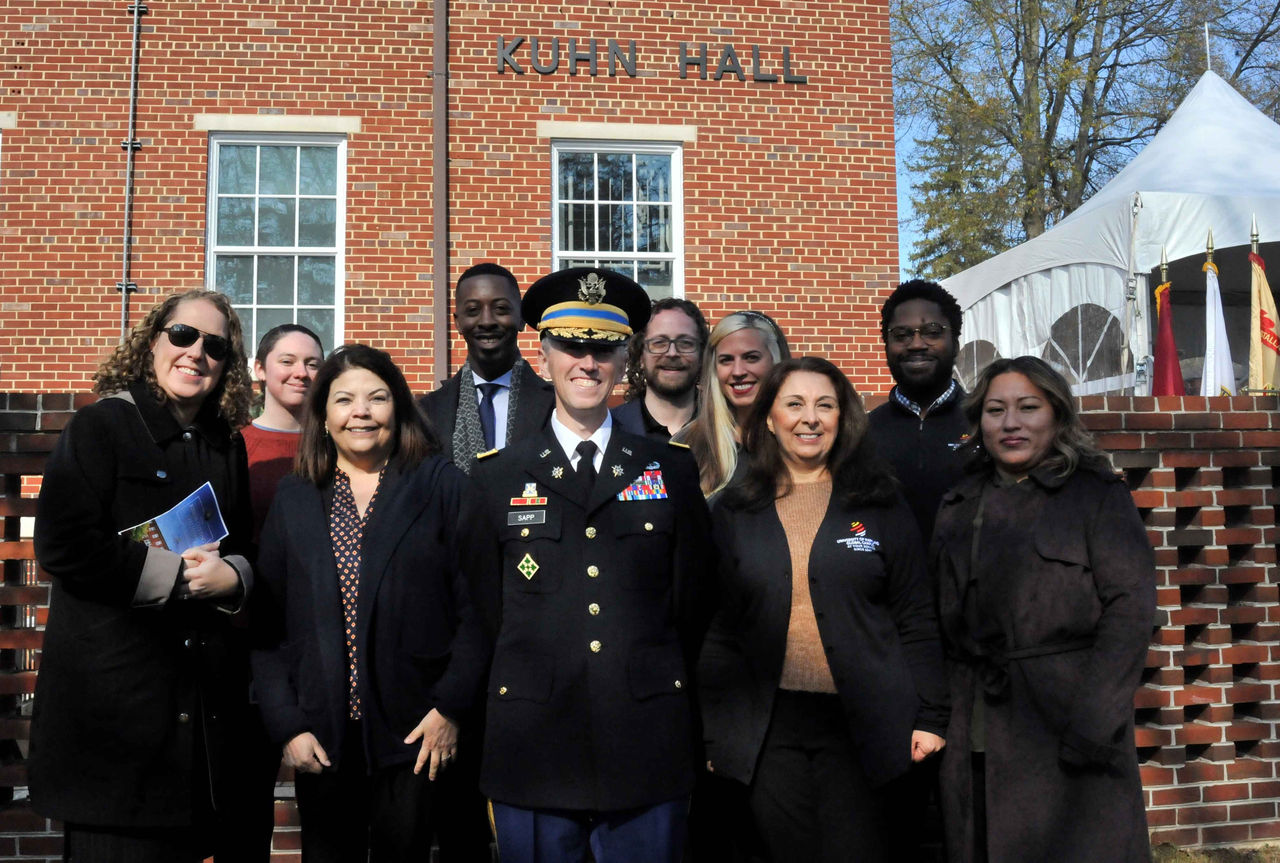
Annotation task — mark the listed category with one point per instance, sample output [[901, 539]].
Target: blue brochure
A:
[[196, 520]]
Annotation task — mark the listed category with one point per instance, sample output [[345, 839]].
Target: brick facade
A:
[[789, 188], [1203, 473]]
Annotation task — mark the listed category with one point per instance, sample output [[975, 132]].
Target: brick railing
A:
[[1203, 473]]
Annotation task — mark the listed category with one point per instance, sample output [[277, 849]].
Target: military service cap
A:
[[586, 305]]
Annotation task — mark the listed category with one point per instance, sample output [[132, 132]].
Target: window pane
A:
[[315, 280], [233, 275], [275, 221], [576, 232], [246, 329], [627, 268], [317, 221], [279, 171], [577, 176], [268, 318], [320, 322], [615, 228], [653, 231], [236, 170], [319, 174], [235, 222], [275, 280], [615, 177], [655, 277], [653, 177], [569, 263]]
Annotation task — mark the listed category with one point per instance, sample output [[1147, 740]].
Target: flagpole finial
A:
[[1208, 248], [1253, 235], [1164, 265]]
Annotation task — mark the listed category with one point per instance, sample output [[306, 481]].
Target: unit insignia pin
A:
[[557, 472], [591, 288], [527, 566], [617, 470], [530, 489]]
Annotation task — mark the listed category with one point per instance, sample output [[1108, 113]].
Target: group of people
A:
[[735, 618]]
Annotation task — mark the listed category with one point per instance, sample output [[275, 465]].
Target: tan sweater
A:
[[805, 666]]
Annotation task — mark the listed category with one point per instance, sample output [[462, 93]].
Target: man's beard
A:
[[669, 391]]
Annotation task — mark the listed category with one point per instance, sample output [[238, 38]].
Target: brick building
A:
[[308, 159]]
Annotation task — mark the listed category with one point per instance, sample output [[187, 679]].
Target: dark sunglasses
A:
[[931, 333], [185, 335]]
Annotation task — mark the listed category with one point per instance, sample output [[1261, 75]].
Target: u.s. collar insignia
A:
[[617, 470], [626, 451], [557, 472], [591, 288], [544, 453], [527, 566]]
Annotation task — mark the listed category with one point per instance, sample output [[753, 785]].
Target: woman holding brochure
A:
[[143, 681]]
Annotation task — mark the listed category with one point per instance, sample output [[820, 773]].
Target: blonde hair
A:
[[132, 361], [714, 435]]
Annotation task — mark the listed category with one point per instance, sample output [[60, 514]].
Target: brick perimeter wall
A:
[[1203, 473]]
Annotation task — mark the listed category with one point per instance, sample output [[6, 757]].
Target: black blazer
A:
[[131, 670], [419, 641], [537, 399], [876, 617], [598, 607]]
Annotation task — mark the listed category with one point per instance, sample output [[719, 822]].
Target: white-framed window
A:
[[619, 205], [276, 224]]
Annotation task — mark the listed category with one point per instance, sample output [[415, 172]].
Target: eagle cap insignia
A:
[[591, 288]]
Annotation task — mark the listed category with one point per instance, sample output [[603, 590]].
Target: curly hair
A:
[[919, 289], [1072, 446], [132, 361], [636, 384]]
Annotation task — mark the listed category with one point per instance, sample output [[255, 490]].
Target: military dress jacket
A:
[[598, 610]]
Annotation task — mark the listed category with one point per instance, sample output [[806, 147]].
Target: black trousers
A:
[[809, 797], [349, 815]]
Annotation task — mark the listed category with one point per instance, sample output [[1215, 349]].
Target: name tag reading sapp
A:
[[535, 517]]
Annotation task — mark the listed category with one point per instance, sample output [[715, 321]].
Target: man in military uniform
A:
[[602, 536]]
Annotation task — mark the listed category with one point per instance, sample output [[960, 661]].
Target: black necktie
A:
[[587, 464], [487, 418]]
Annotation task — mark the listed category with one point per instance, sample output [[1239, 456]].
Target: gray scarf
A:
[[468, 436]]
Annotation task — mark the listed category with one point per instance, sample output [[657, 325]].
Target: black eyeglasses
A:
[[661, 344], [185, 335], [931, 333]]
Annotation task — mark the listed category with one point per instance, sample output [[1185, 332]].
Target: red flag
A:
[[1167, 380]]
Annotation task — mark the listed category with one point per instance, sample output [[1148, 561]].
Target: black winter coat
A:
[[875, 613], [419, 642], [1057, 656], [129, 676]]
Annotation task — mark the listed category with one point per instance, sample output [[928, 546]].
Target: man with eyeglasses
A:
[[664, 362], [919, 429]]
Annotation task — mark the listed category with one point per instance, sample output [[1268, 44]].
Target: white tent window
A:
[[972, 359], [1087, 346]]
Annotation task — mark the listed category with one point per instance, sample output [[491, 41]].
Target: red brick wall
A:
[[1203, 474], [789, 190]]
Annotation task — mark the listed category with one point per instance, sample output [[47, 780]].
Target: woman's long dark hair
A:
[[412, 440], [857, 474]]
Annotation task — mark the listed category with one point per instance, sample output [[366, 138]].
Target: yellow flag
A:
[[1264, 348]]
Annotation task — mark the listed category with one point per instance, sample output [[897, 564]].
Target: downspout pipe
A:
[[130, 146], [440, 189]]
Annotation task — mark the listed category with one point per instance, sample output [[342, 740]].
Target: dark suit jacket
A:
[[537, 399], [875, 614], [598, 610], [419, 643], [123, 687]]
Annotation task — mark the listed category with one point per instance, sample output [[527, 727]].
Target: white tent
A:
[[1078, 295]]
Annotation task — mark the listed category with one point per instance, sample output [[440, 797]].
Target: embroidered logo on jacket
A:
[[859, 541]]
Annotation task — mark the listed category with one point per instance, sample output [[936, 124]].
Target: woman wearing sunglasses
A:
[[143, 682]]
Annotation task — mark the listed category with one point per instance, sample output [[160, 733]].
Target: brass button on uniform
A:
[[648, 525], [593, 571], [594, 608], [596, 646], [524, 531], [591, 533], [679, 684], [502, 690]]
